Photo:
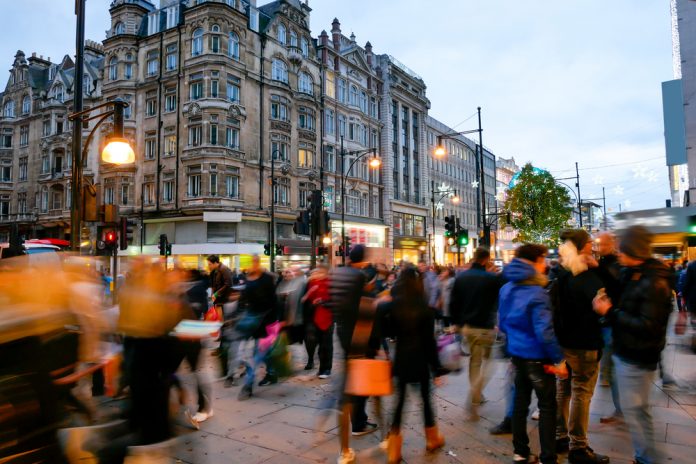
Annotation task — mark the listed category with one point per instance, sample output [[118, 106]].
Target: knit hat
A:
[[357, 254], [635, 242], [578, 237]]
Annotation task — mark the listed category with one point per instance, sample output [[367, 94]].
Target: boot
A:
[[394, 442], [433, 438]]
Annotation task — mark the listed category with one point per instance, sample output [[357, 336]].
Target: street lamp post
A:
[[445, 193], [374, 163], [480, 173], [273, 200], [117, 151]]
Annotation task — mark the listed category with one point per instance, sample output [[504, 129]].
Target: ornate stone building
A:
[[35, 147]]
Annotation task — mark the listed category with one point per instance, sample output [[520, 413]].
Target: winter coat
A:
[[525, 314], [221, 284], [259, 298], [412, 323], [639, 321], [345, 289], [432, 288], [576, 323], [609, 271], [475, 297]]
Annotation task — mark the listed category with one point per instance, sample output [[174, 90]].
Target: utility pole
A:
[[577, 184], [604, 207], [482, 185]]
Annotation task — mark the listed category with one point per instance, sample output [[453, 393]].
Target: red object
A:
[[318, 295], [680, 324], [212, 315], [49, 241]]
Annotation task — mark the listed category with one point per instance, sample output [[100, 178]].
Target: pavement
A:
[[279, 424]]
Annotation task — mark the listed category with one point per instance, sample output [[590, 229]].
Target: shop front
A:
[[372, 236]]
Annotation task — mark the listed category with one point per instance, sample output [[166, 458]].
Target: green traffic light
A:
[[463, 241]]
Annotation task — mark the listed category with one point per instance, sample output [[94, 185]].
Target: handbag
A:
[[366, 377]]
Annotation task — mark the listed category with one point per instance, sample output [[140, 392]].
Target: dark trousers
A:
[[324, 340], [530, 376], [358, 416], [428, 415]]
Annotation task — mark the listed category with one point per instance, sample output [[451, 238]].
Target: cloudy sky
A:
[[558, 81]]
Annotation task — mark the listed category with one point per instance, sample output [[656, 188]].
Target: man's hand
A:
[[601, 304]]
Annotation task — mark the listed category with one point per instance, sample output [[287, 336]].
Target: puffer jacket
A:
[[525, 314], [639, 321], [345, 289]]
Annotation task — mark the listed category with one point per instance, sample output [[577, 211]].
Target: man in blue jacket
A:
[[526, 319]]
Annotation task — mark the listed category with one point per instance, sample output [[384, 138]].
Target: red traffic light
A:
[[110, 237]]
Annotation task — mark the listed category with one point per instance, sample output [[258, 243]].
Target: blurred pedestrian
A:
[[431, 286], [609, 271], [260, 306], [580, 335], [526, 319], [446, 284], [408, 319], [319, 322], [221, 283], [639, 322], [474, 305], [347, 285]]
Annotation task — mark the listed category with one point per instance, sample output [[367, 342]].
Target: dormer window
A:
[[282, 34], [58, 93], [119, 28]]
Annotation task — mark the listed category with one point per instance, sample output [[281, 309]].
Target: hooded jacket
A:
[[639, 321], [525, 314]]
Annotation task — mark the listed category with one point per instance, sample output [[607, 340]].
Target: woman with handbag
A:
[[408, 318]]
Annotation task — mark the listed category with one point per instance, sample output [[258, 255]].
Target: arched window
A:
[[305, 84], [128, 74], [26, 105], [9, 109], [282, 35], [215, 39], [279, 71], [197, 42], [113, 68], [293, 38], [353, 95], [233, 49], [305, 47], [119, 28]]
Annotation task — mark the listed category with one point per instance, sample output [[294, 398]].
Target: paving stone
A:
[[681, 434]]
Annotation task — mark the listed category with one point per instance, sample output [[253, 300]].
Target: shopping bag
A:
[[449, 352], [272, 331], [368, 377], [278, 357]]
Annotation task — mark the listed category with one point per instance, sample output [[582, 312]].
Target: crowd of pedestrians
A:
[[598, 315]]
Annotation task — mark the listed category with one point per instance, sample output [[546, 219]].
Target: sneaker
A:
[[531, 459], [535, 414], [586, 456], [202, 416], [613, 419], [309, 366], [369, 428], [324, 374], [194, 423], [562, 445], [346, 458], [504, 428], [268, 380], [244, 393]]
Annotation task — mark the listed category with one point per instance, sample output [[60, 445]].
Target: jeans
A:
[[635, 383], [428, 414], [573, 396], [324, 340], [530, 376], [509, 390], [253, 365], [608, 370], [480, 344]]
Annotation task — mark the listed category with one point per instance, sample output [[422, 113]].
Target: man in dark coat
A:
[[474, 307], [639, 322], [347, 285], [579, 333]]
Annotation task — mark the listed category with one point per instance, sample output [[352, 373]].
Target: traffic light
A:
[[692, 225], [301, 225], [449, 226], [346, 248], [463, 237], [267, 249], [164, 246], [126, 233], [323, 224], [110, 239], [278, 250]]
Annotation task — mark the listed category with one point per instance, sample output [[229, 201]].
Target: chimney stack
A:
[[336, 34]]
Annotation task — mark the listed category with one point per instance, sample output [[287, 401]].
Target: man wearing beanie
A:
[[579, 333], [639, 323]]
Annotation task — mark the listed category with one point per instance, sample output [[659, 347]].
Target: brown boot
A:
[[433, 438], [394, 442]]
